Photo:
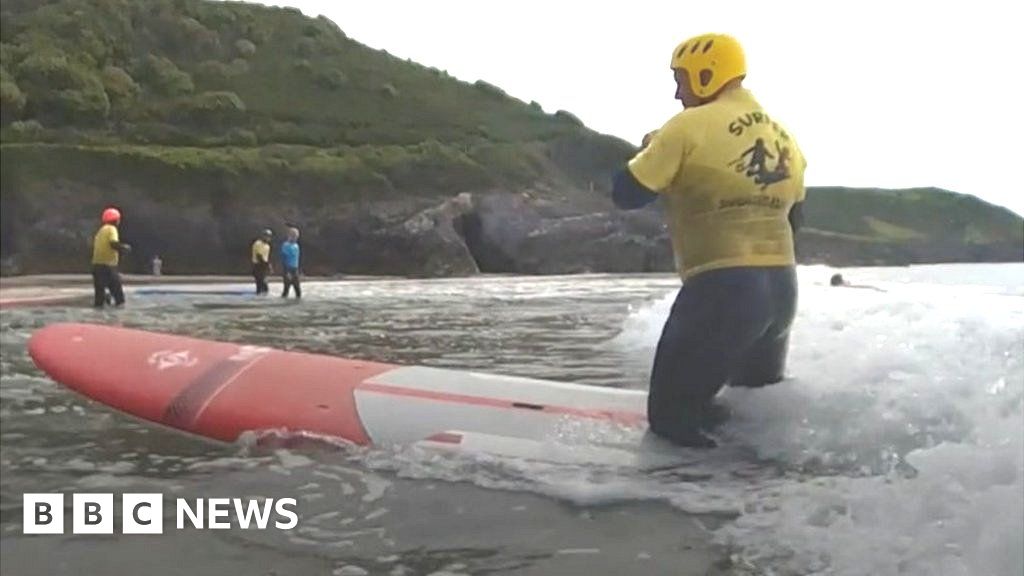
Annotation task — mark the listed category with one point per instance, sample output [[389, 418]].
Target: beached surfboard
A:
[[213, 291], [44, 297], [249, 302], [221, 390]]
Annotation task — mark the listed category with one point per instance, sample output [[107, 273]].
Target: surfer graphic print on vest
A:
[[753, 162]]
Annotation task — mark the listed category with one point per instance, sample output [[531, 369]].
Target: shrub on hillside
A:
[[155, 133], [61, 91], [329, 25], [510, 162], [162, 77], [210, 108], [90, 106], [244, 47], [489, 89], [51, 70], [306, 47], [238, 67], [242, 137], [569, 117], [331, 79], [182, 36], [27, 127], [212, 71], [120, 87], [12, 100]]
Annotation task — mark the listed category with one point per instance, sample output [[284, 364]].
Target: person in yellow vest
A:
[[106, 255], [732, 182], [260, 255]]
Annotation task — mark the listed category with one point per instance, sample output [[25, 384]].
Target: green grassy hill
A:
[[873, 226], [222, 110], [211, 74]]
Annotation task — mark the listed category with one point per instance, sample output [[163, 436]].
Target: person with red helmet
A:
[[106, 255]]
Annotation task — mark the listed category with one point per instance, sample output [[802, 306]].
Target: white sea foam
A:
[[901, 429], [894, 448]]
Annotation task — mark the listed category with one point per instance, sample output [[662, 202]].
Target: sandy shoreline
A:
[[62, 288], [85, 280], [56, 289]]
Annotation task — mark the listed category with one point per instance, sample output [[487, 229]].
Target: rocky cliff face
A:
[[496, 232], [469, 233]]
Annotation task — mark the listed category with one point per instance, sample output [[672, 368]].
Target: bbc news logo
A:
[[144, 513]]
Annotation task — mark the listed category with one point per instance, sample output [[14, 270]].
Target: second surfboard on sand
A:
[[247, 303]]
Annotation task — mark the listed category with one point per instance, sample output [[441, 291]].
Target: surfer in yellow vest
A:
[[261, 261], [732, 182], [106, 255]]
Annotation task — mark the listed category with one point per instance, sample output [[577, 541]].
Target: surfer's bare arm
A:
[[120, 246]]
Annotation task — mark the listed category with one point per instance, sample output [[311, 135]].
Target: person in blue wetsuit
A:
[[290, 263], [733, 209]]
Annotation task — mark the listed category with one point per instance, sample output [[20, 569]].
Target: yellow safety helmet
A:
[[710, 61]]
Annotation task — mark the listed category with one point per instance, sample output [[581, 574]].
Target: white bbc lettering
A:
[[42, 513], [195, 516], [218, 508], [92, 514], [282, 510], [142, 513], [252, 509], [248, 513]]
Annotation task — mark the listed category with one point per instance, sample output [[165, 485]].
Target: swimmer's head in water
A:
[[837, 280]]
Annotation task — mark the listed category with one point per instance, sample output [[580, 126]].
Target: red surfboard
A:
[[220, 390]]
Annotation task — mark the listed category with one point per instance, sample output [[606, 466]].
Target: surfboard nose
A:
[[215, 389], [53, 349], [118, 367]]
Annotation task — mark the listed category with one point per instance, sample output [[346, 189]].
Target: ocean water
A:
[[896, 446]]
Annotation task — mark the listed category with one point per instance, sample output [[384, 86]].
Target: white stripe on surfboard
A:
[[514, 389], [401, 419]]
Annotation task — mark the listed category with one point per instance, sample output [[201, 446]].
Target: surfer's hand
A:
[[126, 247]]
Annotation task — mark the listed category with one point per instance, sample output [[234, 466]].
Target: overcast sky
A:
[[892, 93]]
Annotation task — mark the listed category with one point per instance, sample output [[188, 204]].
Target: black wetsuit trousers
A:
[[260, 270], [291, 279], [727, 326], [106, 278]]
